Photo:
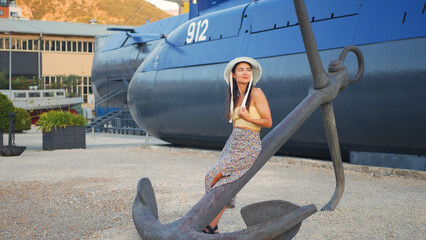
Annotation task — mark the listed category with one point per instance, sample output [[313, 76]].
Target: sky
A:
[[164, 5]]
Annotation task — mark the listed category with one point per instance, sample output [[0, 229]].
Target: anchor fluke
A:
[[144, 210], [146, 194], [264, 211]]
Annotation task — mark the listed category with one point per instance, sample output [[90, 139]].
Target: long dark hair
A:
[[236, 92]]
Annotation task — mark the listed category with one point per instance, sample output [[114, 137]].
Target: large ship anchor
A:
[[270, 219]]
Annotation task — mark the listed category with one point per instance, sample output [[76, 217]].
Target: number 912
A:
[[194, 30]]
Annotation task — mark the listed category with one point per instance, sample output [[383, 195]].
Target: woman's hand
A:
[[243, 113]]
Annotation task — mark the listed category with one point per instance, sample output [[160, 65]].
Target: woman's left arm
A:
[[262, 106]]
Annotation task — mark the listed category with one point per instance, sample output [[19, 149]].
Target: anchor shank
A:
[[333, 143], [320, 79]]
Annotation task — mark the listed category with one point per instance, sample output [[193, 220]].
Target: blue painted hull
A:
[[178, 93], [384, 112]]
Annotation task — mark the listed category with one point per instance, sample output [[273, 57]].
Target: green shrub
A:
[[23, 120], [59, 118], [6, 107], [4, 80]]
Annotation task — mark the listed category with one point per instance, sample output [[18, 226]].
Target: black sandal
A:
[[210, 230]]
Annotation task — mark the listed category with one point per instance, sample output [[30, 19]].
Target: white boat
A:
[[38, 101], [41, 99]]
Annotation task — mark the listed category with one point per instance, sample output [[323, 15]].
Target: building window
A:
[[46, 45], [30, 44], [3, 3], [46, 80], [24, 45], [20, 95], [64, 46], [2, 43], [52, 45], [90, 46], [36, 44], [68, 46], [74, 46], [48, 94], [58, 46], [1, 12], [34, 94]]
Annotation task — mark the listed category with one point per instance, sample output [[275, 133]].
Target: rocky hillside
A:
[[117, 12]]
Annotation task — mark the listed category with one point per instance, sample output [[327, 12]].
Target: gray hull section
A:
[[112, 70], [384, 112]]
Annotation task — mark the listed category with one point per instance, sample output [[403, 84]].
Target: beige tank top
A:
[[239, 122]]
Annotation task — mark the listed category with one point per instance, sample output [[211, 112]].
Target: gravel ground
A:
[[88, 194]]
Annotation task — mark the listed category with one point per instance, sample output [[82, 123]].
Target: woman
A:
[[248, 111]]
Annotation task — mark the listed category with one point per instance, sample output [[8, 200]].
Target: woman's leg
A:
[[215, 221]]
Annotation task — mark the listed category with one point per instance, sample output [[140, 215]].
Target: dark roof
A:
[[55, 28]]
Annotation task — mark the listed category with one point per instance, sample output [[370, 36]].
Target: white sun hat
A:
[[256, 68], [256, 72]]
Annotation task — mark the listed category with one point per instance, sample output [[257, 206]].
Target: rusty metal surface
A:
[[283, 222]]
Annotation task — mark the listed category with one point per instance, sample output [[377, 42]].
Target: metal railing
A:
[[108, 97]]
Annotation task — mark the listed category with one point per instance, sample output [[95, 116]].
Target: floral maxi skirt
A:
[[236, 158]]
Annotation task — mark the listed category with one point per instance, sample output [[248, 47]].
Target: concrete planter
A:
[[64, 138]]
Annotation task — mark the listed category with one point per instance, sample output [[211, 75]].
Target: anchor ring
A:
[[360, 58]]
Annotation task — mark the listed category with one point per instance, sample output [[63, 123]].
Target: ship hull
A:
[[384, 112]]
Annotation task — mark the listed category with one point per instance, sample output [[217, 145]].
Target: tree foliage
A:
[[68, 82], [6, 107], [4, 80], [23, 120], [19, 83], [23, 83]]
